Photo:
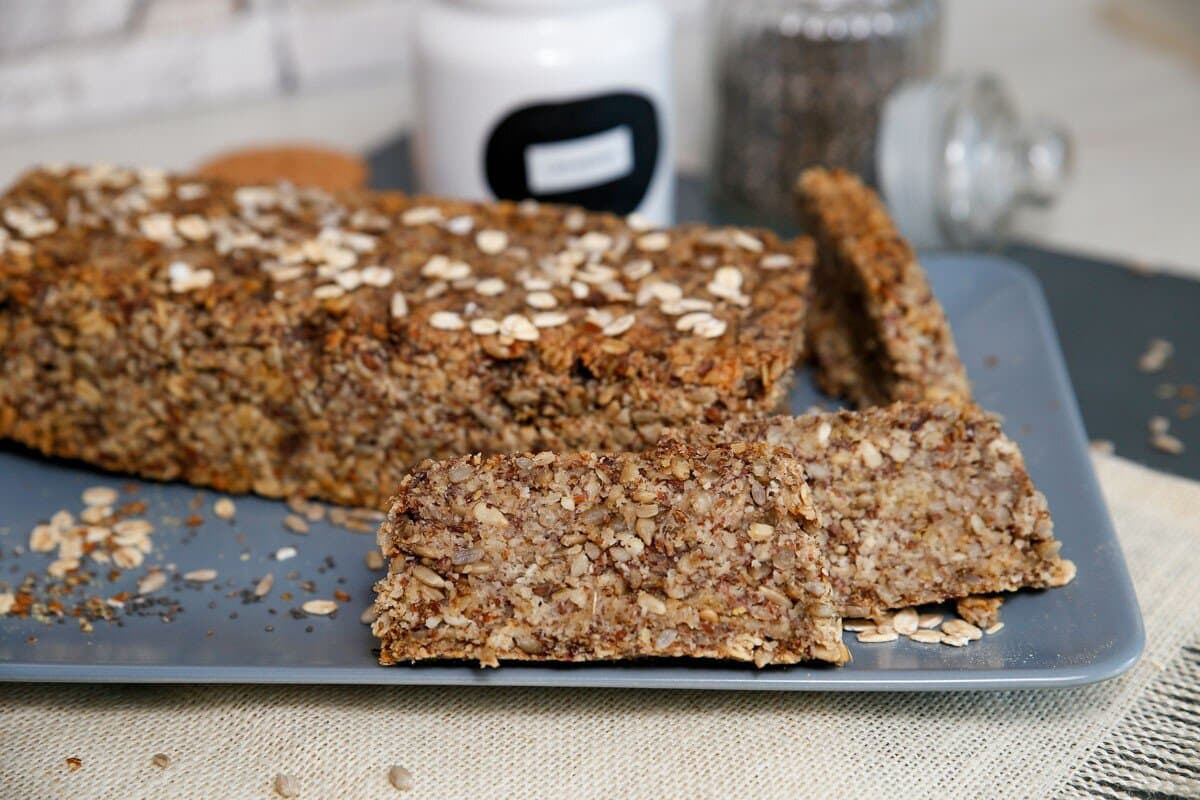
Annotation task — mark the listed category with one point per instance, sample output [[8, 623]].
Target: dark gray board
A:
[[1105, 315]]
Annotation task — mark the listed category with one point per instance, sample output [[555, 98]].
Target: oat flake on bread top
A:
[[504, 271]]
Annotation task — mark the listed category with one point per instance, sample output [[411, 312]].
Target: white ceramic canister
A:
[[565, 101]]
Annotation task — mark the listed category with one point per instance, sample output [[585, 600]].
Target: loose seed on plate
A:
[[954, 641], [127, 557], [295, 523], [857, 625], [263, 587], [319, 608], [906, 621], [151, 582], [133, 529], [99, 496], [284, 553], [224, 508], [926, 636], [200, 575], [959, 627], [995, 628]]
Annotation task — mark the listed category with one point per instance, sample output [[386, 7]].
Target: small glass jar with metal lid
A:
[[803, 82]]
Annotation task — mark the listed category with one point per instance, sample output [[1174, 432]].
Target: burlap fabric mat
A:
[[1129, 737]]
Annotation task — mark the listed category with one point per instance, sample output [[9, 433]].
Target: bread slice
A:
[[919, 503], [703, 552], [877, 333]]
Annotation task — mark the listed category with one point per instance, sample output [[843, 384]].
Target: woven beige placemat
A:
[[1136, 734]]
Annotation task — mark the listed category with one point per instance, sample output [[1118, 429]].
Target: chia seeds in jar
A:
[[803, 82]]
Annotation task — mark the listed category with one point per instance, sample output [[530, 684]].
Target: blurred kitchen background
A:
[[168, 82]]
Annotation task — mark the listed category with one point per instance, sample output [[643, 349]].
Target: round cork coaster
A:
[[302, 164]]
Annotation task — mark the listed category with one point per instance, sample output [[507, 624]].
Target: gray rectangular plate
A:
[[1085, 632]]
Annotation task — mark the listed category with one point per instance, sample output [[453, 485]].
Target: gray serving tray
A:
[[1088, 631]]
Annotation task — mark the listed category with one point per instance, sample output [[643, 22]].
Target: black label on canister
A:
[[598, 152]]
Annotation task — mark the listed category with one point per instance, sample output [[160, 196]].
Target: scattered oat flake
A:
[[1167, 443], [319, 608], [160, 760], [400, 778], [931, 620], [224, 508], [200, 575], [368, 615], [994, 628], [877, 636], [926, 636], [960, 627], [284, 553], [857, 625], [263, 587], [375, 560], [7, 601], [1158, 352], [151, 582], [100, 496], [954, 641], [295, 523], [286, 785], [906, 621]]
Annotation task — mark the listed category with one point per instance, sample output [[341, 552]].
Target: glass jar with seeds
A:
[[803, 82]]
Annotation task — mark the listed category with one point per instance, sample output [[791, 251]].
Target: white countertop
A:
[[1133, 107]]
